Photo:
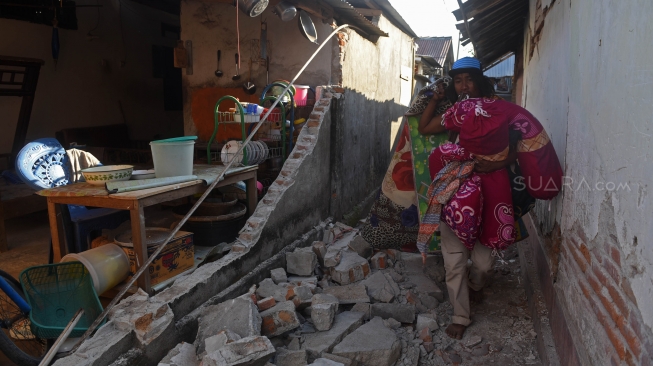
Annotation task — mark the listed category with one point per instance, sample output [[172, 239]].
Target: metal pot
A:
[[307, 27], [285, 11], [253, 8]]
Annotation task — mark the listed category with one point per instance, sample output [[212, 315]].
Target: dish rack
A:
[[264, 135]]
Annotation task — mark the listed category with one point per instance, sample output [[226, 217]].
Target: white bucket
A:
[[172, 159], [108, 265]]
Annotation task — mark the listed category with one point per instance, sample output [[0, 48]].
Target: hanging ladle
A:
[[237, 76], [249, 87], [219, 72]]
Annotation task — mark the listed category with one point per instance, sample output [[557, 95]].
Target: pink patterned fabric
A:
[[463, 212]]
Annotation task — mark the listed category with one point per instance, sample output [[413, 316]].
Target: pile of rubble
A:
[[336, 303]]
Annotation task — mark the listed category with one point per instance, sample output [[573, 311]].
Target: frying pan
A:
[[307, 27]]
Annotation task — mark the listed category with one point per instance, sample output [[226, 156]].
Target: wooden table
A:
[[84, 194]]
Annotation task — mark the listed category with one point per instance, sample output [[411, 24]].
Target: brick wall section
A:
[[594, 270], [306, 141]]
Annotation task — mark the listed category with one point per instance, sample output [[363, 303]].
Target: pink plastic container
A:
[[302, 94]]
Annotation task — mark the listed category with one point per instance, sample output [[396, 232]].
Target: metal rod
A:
[[181, 223], [62, 338]]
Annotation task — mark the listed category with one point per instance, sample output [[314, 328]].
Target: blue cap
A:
[[465, 64]]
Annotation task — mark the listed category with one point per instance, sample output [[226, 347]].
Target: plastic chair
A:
[[42, 164]]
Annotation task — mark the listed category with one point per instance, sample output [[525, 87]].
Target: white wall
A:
[[80, 91], [589, 82]]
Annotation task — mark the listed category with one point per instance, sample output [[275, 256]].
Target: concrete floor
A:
[[28, 238]]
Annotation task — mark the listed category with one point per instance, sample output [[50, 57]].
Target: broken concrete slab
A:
[[361, 246], [423, 284], [363, 308], [427, 321], [352, 268], [344, 323], [278, 275], [379, 261], [239, 315], [279, 319], [339, 359], [371, 344], [212, 344], [320, 249], [323, 311], [429, 302], [303, 297], [301, 262], [249, 351], [350, 294], [395, 276], [267, 288], [182, 355], [286, 357], [392, 324], [381, 287], [473, 341], [310, 281], [404, 313], [325, 362], [332, 256]]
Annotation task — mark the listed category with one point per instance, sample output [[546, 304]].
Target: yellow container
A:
[[177, 257]]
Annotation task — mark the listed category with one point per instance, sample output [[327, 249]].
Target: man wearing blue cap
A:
[[462, 283]]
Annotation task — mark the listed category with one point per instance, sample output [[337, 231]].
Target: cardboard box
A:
[[177, 257]]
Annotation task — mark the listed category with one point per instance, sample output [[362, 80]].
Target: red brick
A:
[[313, 123], [266, 303], [425, 335], [629, 359], [618, 300], [596, 253], [603, 279], [625, 286], [612, 270], [631, 339], [596, 286], [615, 254], [411, 298], [586, 291], [614, 337], [616, 316], [338, 89], [586, 253], [581, 263]]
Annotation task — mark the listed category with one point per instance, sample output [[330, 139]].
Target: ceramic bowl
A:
[[99, 175]]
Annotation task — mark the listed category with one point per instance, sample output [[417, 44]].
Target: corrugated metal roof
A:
[[346, 13], [496, 26], [436, 47], [503, 68]]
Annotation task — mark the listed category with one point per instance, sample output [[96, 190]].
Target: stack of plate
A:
[[257, 152]]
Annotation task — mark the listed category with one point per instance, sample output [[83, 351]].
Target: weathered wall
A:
[[587, 78], [82, 92], [370, 112], [212, 27]]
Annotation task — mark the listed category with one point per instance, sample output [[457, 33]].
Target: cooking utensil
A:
[[237, 76], [219, 72], [253, 8], [307, 27], [285, 11], [249, 87]]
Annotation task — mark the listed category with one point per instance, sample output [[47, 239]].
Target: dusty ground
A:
[[501, 321]]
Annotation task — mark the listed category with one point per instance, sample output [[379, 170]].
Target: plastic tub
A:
[[108, 265], [172, 159], [302, 94]]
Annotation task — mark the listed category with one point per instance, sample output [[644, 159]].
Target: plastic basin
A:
[[302, 94], [108, 265], [172, 159]]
